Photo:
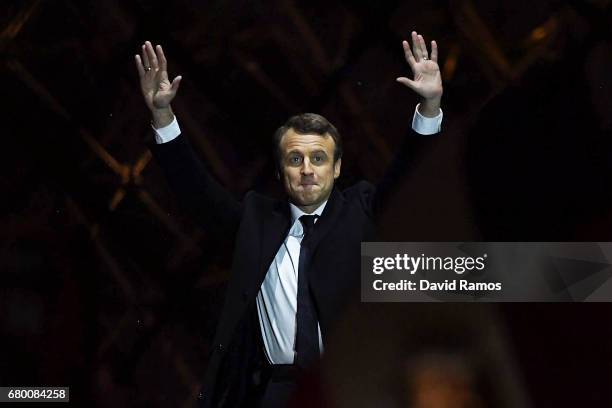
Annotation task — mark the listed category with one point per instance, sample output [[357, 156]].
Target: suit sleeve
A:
[[408, 154], [198, 193]]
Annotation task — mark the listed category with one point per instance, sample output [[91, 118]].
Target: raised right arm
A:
[[209, 204]]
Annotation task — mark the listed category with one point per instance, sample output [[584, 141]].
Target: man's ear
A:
[[337, 166]]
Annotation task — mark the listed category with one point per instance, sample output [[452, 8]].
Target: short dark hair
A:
[[307, 123]]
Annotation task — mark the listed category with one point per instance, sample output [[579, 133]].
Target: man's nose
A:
[[307, 167]]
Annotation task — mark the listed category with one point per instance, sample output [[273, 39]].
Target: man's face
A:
[[308, 168]]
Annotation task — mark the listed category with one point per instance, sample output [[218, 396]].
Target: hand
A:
[[157, 90], [427, 80]]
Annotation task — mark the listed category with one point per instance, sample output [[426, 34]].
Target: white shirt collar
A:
[[296, 213]]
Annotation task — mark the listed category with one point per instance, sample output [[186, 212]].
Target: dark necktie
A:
[[307, 338]]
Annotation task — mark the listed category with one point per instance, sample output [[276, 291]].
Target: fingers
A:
[[423, 47], [419, 48], [145, 57], [151, 54], [153, 58], [416, 48], [161, 58], [408, 54], [434, 51], [139, 67]]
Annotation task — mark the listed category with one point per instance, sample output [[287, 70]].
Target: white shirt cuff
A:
[[424, 125], [167, 133]]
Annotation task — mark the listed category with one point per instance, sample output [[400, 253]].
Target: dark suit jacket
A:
[[259, 225]]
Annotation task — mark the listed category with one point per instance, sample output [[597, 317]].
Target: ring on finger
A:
[[147, 68]]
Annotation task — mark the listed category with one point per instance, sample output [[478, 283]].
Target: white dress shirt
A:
[[277, 297]]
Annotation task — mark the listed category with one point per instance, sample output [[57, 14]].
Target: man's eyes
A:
[[317, 158]]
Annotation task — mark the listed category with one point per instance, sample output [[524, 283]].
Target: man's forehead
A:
[[295, 141]]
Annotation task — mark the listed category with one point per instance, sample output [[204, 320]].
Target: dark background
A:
[[108, 289]]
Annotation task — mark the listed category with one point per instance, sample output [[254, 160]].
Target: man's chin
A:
[[308, 200]]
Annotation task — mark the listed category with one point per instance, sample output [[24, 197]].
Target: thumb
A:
[[175, 83], [408, 82]]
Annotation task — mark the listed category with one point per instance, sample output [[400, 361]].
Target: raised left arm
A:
[[427, 83]]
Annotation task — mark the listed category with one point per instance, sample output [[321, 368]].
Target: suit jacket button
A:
[[220, 347], [245, 295]]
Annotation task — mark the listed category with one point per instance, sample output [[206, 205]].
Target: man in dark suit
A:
[[296, 261]]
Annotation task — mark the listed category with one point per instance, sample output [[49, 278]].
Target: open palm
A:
[[156, 88], [427, 80]]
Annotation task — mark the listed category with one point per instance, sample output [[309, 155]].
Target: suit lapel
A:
[[328, 219], [274, 231]]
